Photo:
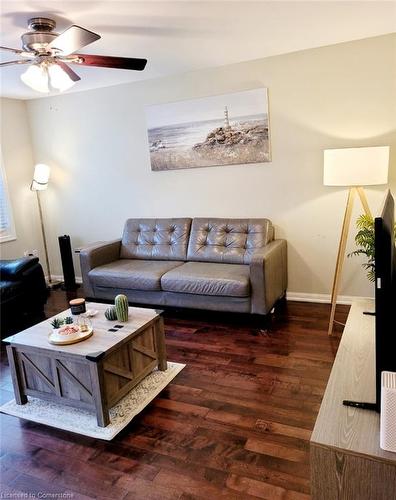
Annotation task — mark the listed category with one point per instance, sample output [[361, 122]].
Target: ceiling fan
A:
[[49, 55]]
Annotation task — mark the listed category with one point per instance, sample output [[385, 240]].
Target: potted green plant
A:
[[57, 323], [365, 241]]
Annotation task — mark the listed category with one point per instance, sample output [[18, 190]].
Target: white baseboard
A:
[[59, 277], [321, 298]]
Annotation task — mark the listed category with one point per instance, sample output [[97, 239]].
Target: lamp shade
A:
[[36, 77], [40, 177], [356, 166], [59, 78]]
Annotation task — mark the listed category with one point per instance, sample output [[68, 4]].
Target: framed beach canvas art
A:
[[218, 130]]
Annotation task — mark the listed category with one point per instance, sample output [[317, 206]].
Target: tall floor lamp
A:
[[40, 183], [355, 168]]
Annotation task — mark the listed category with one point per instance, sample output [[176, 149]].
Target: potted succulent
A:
[[57, 323], [64, 330], [365, 240]]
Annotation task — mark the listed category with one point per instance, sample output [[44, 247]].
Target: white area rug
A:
[[83, 421]]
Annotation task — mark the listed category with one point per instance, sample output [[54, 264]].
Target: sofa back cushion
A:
[[156, 239], [231, 241]]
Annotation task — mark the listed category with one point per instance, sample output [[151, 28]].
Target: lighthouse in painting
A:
[[226, 119]]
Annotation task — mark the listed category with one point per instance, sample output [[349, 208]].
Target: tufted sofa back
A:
[[156, 239], [231, 241]]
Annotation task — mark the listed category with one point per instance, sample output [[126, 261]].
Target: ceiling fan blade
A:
[[74, 38], [20, 61], [22, 53], [111, 62], [67, 69]]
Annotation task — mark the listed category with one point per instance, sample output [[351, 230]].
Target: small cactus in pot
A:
[[111, 314], [121, 307]]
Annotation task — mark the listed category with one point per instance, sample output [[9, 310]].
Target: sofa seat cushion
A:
[[207, 278], [132, 274]]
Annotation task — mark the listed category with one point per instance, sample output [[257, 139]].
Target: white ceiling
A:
[[187, 35]]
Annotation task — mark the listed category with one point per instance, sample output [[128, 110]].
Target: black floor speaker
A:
[[69, 277]]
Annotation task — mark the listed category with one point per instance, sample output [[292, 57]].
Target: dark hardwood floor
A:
[[235, 423]]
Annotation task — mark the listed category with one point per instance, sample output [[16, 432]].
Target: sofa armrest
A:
[[13, 270], [268, 276], [94, 256]]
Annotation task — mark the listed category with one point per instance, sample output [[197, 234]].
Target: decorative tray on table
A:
[[69, 334]]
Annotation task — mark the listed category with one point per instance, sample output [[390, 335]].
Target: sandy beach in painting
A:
[[209, 143]]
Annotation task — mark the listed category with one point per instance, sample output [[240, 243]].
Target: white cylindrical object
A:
[[356, 166], [388, 411], [41, 173], [40, 177]]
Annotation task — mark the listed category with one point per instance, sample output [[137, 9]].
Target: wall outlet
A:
[[31, 253]]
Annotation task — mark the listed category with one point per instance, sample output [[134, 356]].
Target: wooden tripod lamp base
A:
[[352, 167], [342, 247]]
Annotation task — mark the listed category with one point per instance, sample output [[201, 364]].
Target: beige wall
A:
[[18, 162], [337, 96]]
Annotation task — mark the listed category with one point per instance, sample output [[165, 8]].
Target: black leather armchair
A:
[[22, 287]]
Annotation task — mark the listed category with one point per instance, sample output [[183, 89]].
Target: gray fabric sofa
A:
[[203, 263]]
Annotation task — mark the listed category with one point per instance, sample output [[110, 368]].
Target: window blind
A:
[[6, 224]]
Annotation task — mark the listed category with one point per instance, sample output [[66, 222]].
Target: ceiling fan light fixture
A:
[[51, 53], [59, 79], [36, 77]]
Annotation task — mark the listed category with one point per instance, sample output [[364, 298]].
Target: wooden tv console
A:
[[346, 459]]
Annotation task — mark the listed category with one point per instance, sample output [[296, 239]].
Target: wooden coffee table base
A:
[[96, 380]]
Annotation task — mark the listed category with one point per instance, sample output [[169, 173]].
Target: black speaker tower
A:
[[69, 277]]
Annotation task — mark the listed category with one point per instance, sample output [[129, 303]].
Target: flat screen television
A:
[[385, 299], [385, 293]]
